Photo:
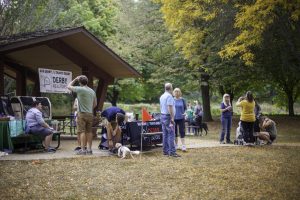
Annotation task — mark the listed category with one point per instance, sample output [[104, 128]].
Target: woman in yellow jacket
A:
[[247, 116]]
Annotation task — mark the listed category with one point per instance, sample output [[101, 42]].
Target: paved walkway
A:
[[67, 146]]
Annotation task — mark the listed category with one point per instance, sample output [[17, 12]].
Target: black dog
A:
[[199, 128]]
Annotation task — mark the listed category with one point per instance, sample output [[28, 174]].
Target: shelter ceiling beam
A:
[[32, 75], [86, 65]]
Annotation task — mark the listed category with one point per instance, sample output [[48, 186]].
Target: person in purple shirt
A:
[[226, 118], [36, 125], [115, 117], [180, 108]]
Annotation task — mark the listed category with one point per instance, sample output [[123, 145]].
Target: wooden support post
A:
[[101, 94], [21, 83], [1, 78], [36, 89], [87, 72]]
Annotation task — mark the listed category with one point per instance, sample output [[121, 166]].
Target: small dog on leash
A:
[[123, 151]]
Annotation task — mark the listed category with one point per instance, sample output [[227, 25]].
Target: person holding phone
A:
[[226, 119]]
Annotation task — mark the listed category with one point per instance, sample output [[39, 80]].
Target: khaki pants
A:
[[84, 122]]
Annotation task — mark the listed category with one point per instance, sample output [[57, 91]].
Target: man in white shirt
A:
[[167, 110]]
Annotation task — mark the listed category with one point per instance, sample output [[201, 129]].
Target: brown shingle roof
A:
[[10, 39]]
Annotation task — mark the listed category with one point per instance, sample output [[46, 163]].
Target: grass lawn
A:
[[264, 172]]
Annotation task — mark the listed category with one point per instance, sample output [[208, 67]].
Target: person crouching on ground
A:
[[115, 117], [36, 125], [86, 103], [269, 132], [167, 110], [247, 116], [226, 119], [179, 118]]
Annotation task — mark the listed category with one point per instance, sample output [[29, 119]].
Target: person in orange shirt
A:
[[247, 118]]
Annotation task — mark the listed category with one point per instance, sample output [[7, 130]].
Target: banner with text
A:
[[54, 81]]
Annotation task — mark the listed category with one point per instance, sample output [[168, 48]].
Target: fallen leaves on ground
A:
[[268, 172]]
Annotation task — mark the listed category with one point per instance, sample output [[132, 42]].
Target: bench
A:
[[27, 141], [196, 131]]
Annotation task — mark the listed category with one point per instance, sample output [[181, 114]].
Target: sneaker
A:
[[89, 152], [111, 152], [269, 143], [165, 154], [80, 152], [50, 150], [77, 148], [175, 155], [229, 142], [101, 147], [222, 142], [183, 148]]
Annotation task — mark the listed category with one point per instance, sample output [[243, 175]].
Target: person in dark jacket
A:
[[115, 116]]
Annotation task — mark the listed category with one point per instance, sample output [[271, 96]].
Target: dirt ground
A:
[[218, 172]]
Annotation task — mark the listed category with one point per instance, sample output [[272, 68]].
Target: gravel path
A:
[[68, 144]]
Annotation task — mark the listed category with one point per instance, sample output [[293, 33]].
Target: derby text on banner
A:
[[54, 81]]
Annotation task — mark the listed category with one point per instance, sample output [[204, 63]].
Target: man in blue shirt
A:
[[36, 125], [167, 110], [115, 117]]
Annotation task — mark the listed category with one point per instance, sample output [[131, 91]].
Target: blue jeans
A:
[[168, 135], [226, 126]]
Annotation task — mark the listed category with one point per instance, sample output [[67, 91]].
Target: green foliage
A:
[[269, 39], [31, 15], [143, 41], [19, 16], [96, 15], [240, 43]]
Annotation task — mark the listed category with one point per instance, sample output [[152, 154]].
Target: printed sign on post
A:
[[54, 81]]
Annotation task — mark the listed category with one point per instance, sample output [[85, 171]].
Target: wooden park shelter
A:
[[73, 49]]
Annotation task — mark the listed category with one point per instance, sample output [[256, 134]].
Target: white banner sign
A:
[[54, 81]]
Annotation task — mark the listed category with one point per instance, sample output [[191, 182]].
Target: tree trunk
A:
[[205, 96], [291, 104], [289, 91], [114, 97], [113, 94]]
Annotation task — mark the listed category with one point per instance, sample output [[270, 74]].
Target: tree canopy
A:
[[240, 41]]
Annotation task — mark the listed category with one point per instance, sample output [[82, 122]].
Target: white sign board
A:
[[54, 81]]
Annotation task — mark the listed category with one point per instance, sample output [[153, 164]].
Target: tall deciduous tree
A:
[[143, 40], [269, 39], [200, 29]]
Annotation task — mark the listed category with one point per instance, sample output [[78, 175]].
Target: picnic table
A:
[[67, 120]]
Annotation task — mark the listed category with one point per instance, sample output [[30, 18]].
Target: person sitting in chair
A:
[[269, 133], [36, 125], [115, 117]]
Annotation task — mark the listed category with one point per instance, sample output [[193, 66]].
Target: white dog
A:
[[125, 151], [3, 154]]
